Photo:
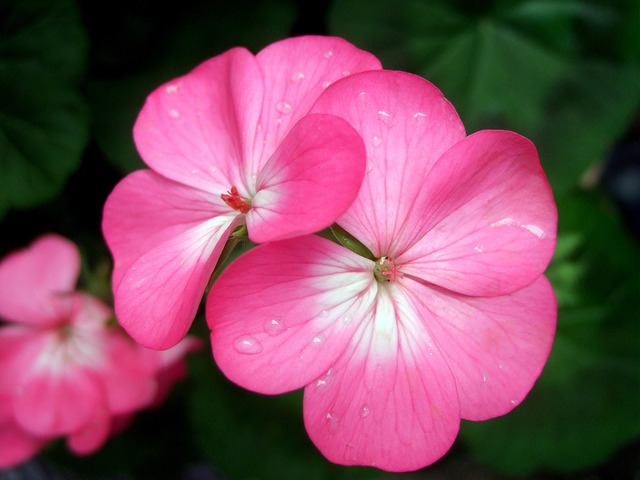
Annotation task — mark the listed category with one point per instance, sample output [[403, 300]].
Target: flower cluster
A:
[[424, 304], [64, 372]]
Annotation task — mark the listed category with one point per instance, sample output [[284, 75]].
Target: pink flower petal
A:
[[91, 436], [406, 124], [309, 181], [35, 281], [191, 129], [296, 71], [485, 221], [89, 313], [128, 374], [166, 240], [278, 335], [496, 347], [173, 367], [390, 400], [16, 445], [20, 347], [145, 210], [57, 399]]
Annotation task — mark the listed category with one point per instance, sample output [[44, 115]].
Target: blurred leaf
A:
[[250, 436], [563, 73], [587, 113], [44, 121], [495, 63], [585, 404], [160, 49]]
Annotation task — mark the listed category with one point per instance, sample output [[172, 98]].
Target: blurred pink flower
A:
[[63, 370], [228, 144], [449, 318]]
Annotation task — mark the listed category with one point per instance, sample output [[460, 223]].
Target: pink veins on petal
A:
[[454, 319]]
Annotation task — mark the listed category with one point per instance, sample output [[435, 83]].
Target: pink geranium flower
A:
[[228, 144], [448, 315], [63, 371]]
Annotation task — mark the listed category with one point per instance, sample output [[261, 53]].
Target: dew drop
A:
[[318, 339], [385, 117], [297, 77], [419, 115], [274, 327], [365, 411], [328, 54], [173, 113], [326, 84], [513, 402], [370, 166], [362, 96], [478, 248], [324, 382], [346, 73], [283, 107], [324, 314], [333, 422], [376, 141], [347, 318], [247, 344], [172, 89]]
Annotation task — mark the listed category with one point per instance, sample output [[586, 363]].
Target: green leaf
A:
[[582, 408], [44, 120], [563, 73], [196, 32]]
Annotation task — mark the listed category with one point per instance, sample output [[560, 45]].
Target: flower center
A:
[[386, 270], [235, 201]]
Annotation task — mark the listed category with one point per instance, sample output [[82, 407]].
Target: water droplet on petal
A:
[[362, 96], [347, 318], [328, 54], [297, 77], [333, 422], [365, 411], [283, 107], [419, 115], [478, 248], [318, 339], [326, 84], [324, 314], [370, 166], [173, 113], [247, 344], [385, 117], [513, 402], [376, 141], [346, 73], [274, 327], [172, 89], [324, 382]]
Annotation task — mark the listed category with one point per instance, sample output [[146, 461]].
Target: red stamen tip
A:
[[235, 201]]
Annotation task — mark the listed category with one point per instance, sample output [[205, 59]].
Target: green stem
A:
[[347, 240]]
